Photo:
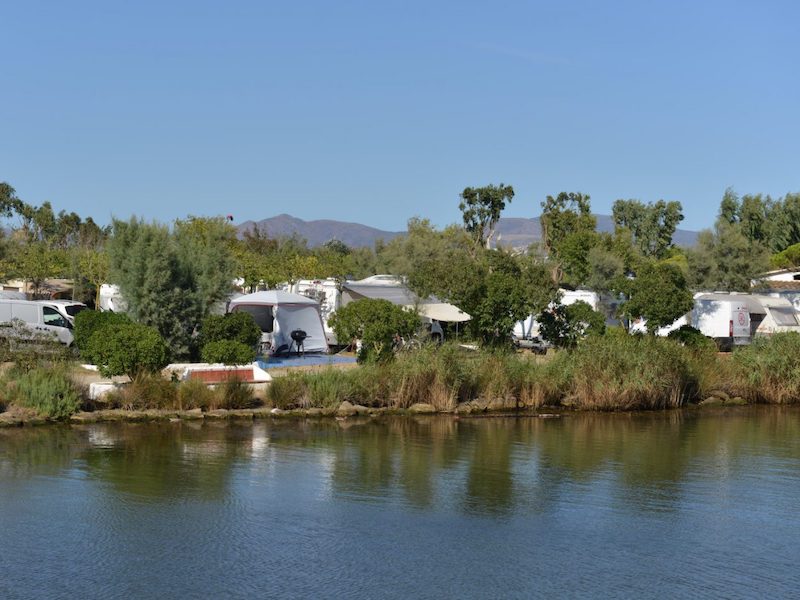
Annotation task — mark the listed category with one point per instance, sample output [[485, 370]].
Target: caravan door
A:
[[740, 324]]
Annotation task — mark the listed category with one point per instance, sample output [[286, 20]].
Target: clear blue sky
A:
[[379, 111]]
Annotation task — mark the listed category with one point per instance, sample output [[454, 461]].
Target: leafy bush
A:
[[89, 321], [375, 323], [229, 352], [128, 349], [237, 326], [50, 392], [692, 338], [564, 326]]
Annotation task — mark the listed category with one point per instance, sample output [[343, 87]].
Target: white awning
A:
[[441, 311]]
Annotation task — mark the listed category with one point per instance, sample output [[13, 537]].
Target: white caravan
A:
[[728, 319], [332, 295], [529, 328], [279, 314], [781, 316], [38, 317]]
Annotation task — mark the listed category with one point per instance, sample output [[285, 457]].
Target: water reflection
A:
[[492, 466]]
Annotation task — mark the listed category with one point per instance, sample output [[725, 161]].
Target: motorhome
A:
[[36, 317], [728, 319]]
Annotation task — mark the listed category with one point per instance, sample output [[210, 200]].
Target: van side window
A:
[[53, 317]]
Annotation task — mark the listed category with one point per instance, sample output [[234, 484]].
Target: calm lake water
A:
[[687, 504]]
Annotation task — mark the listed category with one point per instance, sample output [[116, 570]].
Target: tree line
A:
[[172, 275]]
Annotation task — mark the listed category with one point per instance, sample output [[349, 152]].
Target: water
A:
[[691, 504]]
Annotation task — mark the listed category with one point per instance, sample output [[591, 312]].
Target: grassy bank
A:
[[611, 372]]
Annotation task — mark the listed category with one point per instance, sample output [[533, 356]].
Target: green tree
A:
[[788, 258], [659, 294], [651, 225], [565, 326], [481, 208], [568, 232], [171, 280], [566, 214], [375, 322]]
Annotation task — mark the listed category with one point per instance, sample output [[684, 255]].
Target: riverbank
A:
[[607, 373]]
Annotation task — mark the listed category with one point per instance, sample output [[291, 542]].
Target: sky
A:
[[375, 112]]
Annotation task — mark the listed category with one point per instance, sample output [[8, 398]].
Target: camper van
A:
[[727, 318], [38, 316]]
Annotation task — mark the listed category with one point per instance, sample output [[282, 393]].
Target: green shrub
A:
[[375, 322], [50, 392], [287, 391], [229, 352], [194, 393], [234, 394], [237, 326], [28, 348], [128, 349], [145, 392], [89, 321], [692, 338]]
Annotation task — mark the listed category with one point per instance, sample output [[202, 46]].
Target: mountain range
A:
[[513, 231]]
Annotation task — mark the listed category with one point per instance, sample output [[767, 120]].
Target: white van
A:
[[40, 316], [67, 308]]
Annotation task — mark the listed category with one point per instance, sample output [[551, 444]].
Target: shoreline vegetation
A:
[[613, 372]]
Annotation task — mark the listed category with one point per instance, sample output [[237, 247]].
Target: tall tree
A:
[[659, 294], [652, 225], [568, 215], [481, 208], [171, 280]]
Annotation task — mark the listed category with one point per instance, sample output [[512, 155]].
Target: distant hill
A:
[[516, 232], [318, 232]]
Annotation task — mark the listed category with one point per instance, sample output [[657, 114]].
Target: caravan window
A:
[[263, 315], [784, 316]]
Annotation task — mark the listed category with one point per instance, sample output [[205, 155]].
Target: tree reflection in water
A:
[[493, 466]]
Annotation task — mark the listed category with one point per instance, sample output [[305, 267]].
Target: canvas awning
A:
[[430, 307], [441, 311]]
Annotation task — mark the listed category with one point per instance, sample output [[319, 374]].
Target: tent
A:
[[279, 313]]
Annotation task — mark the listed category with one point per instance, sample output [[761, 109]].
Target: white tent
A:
[[279, 313]]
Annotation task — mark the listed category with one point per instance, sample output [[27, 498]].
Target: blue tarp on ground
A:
[[281, 362]]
